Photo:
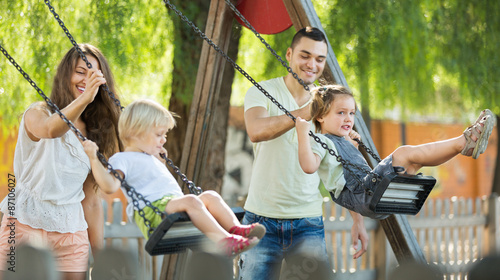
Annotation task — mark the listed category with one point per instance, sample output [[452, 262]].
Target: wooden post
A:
[[381, 248], [207, 88], [396, 227], [493, 224], [206, 93]]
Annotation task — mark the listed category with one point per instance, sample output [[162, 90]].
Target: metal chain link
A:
[[368, 150], [347, 165], [80, 52], [40, 92], [258, 86], [130, 190], [226, 57], [191, 186], [285, 64]]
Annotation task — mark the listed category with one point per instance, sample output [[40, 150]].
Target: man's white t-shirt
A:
[[278, 186]]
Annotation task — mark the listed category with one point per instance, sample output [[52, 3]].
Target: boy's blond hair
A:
[[140, 116]]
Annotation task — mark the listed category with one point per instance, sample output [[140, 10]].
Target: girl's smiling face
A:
[[340, 119]]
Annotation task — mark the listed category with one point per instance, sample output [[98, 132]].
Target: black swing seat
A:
[[393, 194], [176, 233], [402, 194]]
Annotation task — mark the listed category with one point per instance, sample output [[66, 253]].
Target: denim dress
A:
[[360, 182]]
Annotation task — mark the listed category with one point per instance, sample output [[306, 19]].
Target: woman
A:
[[52, 170]]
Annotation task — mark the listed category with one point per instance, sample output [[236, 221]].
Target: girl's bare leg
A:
[[199, 215], [219, 209], [94, 215], [73, 275], [412, 158]]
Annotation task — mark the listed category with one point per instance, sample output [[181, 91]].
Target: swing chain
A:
[[80, 52], [130, 190], [191, 186], [368, 150], [342, 161], [41, 93], [273, 52], [227, 58], [258, 86], [133, 194], [193, 189]]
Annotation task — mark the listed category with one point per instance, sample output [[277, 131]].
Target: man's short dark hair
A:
[[312, 33]]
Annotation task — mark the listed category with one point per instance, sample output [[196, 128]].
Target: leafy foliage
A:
[[134, 36], [418, 56], [412, 56]]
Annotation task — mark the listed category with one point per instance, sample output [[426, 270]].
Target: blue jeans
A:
[[301, 242]]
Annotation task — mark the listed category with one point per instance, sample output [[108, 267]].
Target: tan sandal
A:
[[481, 129]]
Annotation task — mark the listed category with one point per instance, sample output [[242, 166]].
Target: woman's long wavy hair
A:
[[100, 116]]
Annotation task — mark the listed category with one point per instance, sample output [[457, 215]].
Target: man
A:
[[281, 196]]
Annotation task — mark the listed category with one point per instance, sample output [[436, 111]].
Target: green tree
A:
[[136, 39], [430, 58], [418, 57]]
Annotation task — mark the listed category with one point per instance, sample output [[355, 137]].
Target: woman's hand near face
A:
[[95, 79]]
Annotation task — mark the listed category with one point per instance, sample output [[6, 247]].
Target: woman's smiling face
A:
[[79, 77]]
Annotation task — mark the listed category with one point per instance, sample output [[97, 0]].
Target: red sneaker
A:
[[235, 244], [252, 230]]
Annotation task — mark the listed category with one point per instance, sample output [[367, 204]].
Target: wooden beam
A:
[[493, 224], [206, 92], [396, 227]]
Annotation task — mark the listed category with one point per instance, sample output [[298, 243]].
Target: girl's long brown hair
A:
[[100, 116]]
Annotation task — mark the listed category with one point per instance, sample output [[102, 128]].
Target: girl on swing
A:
[[142, 128], [332, 110]]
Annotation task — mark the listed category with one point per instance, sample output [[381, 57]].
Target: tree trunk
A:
[[212, 177], [187, 50], [212, 164]]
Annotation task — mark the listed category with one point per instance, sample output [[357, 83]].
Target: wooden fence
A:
[[128, 237], [453, 234]]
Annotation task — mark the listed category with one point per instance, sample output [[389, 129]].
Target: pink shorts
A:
[[70, 250]]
